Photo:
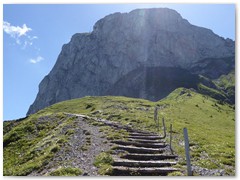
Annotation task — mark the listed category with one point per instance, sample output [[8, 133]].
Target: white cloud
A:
[[15, 31], [23, 39], [36, 60], [20, 34], [32, 38]]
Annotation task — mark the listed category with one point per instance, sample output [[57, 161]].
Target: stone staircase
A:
[[144, 154], [141, 154]]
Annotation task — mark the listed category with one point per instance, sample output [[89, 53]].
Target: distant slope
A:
[[226, 83], [30, 145]]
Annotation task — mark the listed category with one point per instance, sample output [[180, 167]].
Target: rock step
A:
[[147, 157], [146, 141], [133, 163], [137, 144], [138, 131], [142, 134], [143, 150], [126, 171], [146, 137]]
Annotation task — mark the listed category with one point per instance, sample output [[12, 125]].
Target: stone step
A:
[[142, 134], [138, 144], [142, 150], [146, 137], [149, 141], [138, 131], [134, 163], [131, 171], [147, 157]]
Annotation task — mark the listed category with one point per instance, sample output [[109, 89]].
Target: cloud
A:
[[23, 39], [36, 60], [20, 34], [27, 43], [15, 31], [32, 38]]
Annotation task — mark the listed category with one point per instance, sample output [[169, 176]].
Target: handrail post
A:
[[164, 128], [171, 138], [189, 168], [156, 114]]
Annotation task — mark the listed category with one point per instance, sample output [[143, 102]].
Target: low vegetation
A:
[[103, 161], [112, 134], [68, 171], [29, 144]]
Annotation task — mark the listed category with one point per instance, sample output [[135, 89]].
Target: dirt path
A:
[[80, 151]]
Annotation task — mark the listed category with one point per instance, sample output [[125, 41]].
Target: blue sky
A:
[[34, 34]]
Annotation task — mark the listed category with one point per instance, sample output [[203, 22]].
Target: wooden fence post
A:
[[164, 128], [189, 168], [156, 114], [171, 138]]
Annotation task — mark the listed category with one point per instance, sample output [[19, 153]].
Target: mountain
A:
[[121, 44], [153, 83]]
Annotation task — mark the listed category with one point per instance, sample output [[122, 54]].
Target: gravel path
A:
[[80, 151]]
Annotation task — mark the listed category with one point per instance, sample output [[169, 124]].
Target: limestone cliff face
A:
[[91, 63]]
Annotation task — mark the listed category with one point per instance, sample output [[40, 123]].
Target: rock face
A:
[[92, 63], [153, 83]]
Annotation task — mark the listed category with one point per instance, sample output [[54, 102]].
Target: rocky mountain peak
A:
[[92, 63]]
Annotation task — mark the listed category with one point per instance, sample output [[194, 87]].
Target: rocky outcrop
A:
[[91, 63]]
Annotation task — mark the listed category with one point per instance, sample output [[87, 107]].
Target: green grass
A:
[[103, 161], [30, 145], [211, 128], [211, 92], [210, 124], [227, 85], [68, 171], [226, 81], [113, 134]]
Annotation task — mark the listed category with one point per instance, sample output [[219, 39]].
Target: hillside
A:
[[51, 142]]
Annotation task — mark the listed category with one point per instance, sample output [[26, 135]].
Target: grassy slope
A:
[[227, 84], [211, 126], [226, 81], [33, 142]]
